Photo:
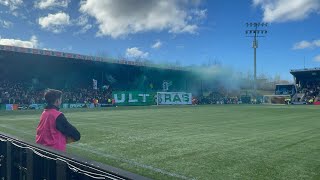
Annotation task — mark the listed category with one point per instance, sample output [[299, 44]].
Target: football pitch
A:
[[193, 142]]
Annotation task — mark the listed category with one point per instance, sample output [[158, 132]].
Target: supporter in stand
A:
[[22, 94]]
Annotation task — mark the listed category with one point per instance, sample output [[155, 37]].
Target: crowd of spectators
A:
[[25, 94], [87, 95], [310, 91], [21, 93], [217, 99], [17, 93]]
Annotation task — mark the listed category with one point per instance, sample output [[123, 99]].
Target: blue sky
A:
[[184, 31]]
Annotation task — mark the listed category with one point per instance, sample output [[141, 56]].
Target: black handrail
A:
[[21, 160]]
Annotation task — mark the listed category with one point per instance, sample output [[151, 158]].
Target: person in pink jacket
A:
[[54, 130]]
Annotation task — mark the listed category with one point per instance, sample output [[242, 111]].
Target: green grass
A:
[[194, 142]]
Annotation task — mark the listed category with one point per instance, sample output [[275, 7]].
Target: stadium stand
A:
[[21, 94], [308, 85], [25, 73]]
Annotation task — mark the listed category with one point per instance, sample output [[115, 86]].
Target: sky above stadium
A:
[[185, 32]]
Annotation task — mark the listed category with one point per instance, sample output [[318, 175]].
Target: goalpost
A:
[[276, 99]]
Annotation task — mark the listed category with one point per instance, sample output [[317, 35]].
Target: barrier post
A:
[[61, 170], [9, 160], [29, 164]]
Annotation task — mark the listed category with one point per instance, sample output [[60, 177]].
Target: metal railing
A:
[[26, 161]]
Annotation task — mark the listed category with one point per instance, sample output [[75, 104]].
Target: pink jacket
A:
[[47, 133]]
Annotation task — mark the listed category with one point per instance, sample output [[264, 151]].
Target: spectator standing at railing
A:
[[54, 130]]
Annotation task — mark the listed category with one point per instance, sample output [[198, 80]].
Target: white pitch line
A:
[[103, 154], [14, 129], [19, 119]]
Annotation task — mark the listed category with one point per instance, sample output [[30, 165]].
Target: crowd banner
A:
[[173, 98], [133, 98], [81, 105], [95, 84], [36, 106], [22, 107], [2, 107], [78, 105], [15, 107], [65, 106], [9, 107]]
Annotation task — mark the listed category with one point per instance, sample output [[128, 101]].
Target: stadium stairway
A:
[[298, 97]]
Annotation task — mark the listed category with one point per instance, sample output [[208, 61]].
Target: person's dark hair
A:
[[51, 95]]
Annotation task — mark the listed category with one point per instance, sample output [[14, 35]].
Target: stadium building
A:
[[66, 70], [304, 90], [307, 82], [40, 69]]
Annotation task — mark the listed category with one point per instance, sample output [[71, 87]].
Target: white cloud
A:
[[287, 10], [15, 13], [306, 44], [317, 58], [302, 45], [12, 4], [157, 45], [186, 29], [84, 29], [82, 20], [49, 49], [136, 53], [316, 43], [44, 4], [69, 48], [6, 24], [32, 43], [200, 13], [54, 22], [120, 18]]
